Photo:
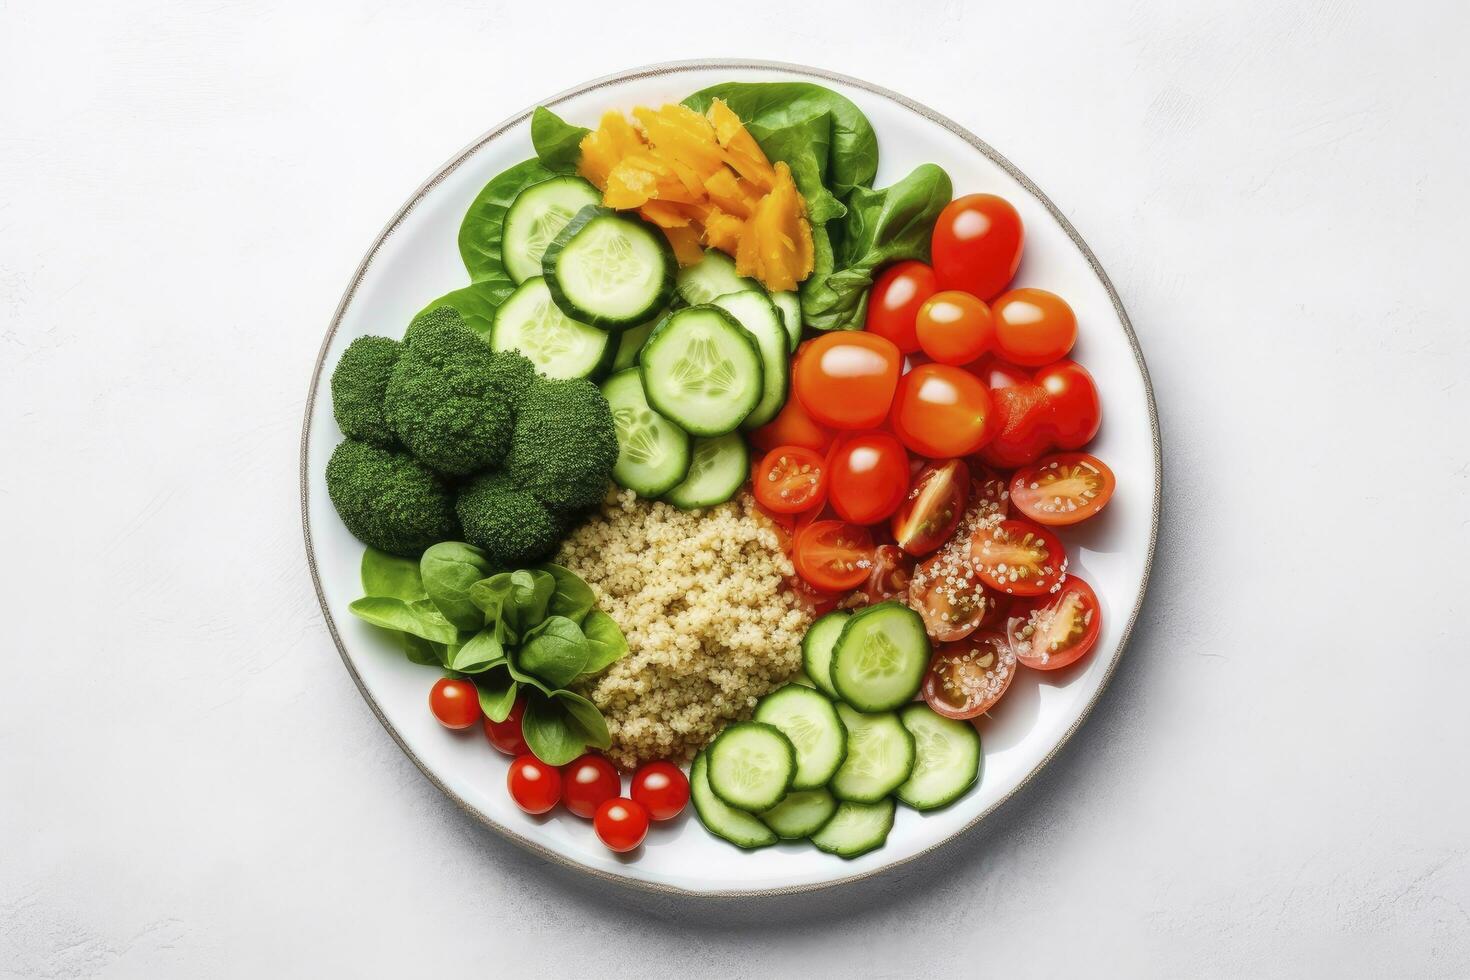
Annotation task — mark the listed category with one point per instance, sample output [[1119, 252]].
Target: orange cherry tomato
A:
[[977, 244], [1063, 489], [933, 507], [868, 476], [966, 678], [845, 379], [1018, 558], [894, 302], [941, 411], [792, 427], [1033, 327], [955, 327], [789, 480], [833, 556], [1059, 631]]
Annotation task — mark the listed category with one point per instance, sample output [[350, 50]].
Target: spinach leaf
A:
[[482, 652], [555, 651], [481, 232], [419, 618], [605, 642], [559, 728], [476, 303], [587, 717], [558, 143], [572, 597], [526, 602], [449, 569], [529, 680], [388, 575], [419, 650], [497, 691]]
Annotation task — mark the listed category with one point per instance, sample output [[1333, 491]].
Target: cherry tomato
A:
[[661, 788], [789, 480], [1033, 327], [941, 411], [1060, 631], [893, 569], [1063, 489], [933, 507], [792, 427], [989, 493], [948, 596], [868, 476], [833, 556], [1056, 408], [814, 602], [1018, 558], [977, 244], [587, 782], [621, 824], [534, 786], [506, 735], [455, 703], [955, 327], [846, 378], [1076, 410], [967, 678], [894, 302]]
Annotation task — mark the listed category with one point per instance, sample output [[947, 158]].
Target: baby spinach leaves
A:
[[555, 651], [448, 570], [558, 143], [418, 618], [388, 575], [605, 642], [482, 231], [561, 726]]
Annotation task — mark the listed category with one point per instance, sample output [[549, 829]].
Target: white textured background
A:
[[190, 786]]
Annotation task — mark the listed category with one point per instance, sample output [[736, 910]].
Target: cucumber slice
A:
[[856, 828], [816, 649], [560, 347], [608, 269], [880, 658], [653, 453], [759, 316], [735, 826], [947, 759], [712, 276], [630, 342], [810, 721], [804, 680], [880, 756], [536, 217], [801, 814], [702, 370], [790, 306], [717, 469], [751, 765]]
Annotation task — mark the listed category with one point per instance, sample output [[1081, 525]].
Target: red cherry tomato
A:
[[833, 556], [789, 480], [661, 788], [846, 378], [1059, 631], [989, 493], [1055, 408], [814, 602], [941, 411], [955, 328], [792, 427], [933, 507], [506, 735], [455, 703], [948, 596], [868, 476], [1018, 558], [1033, 327], [587, 782], [1076, 410], [968, 677], [893, 569], [621, 824], [895, 300], [534, 786], [977, 244], [1062, 489]]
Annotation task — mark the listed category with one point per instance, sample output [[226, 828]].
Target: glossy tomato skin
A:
[[893, 570], [455, 703], [941, 411], [833, 556], [933, 507], [1076, 409], [534, 786], [621, 824], [789, 480], [1058, 630], [846, 379], [1057, 407], [587, 782], [894, 302], [868, 476], [955, 327], [793, 426], [1033, 327], [977, 245], [506, 735], [1062, 489], [661, 788], [1018, 558], [966, 678]]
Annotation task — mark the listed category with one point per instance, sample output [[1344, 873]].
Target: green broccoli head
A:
[[511, 525], [564, 445], [358, 386], [451, 400], [388, 499]]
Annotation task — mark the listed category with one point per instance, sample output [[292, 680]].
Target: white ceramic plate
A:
[[416, 259]]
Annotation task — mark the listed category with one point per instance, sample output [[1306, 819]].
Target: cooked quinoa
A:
[[710, 626]]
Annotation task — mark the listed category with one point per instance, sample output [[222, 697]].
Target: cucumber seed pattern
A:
[[703, 370]]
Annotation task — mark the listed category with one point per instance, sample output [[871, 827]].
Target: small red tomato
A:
[[845, 379], [1018, 558], [1055, 408], [1063, 489], [1076, 410], [534, 786], [948, 596], [833, 556], [941, 411], [661, 788], [966, 678], [587, 782], [977, 244], [1060, 630], [868, 475], [792, 427], [789, 480], [895, 300], [893, 569], [933, 507], [621, 824], [506, 735], [455, 703], [1033, 327], [955, 327]]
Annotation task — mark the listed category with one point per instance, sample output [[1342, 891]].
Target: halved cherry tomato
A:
[[534, 786], [948, 595], [1056, 408], [955, 327], [789, 480], [989, 492], [587, 782], [1018, 558], [1033, 327], [661, 788], [968, 677], [868, 475], [1063, 489], [456, 703], [621, 824], [506, 735], [941, 411], [977, 244], [1060, 631], [894, 302], [833, 556], [846, 378], [933, 507], [792, 427], [812, 601], [893, 569]]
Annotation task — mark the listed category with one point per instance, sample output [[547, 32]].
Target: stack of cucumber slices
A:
[[687, 358], [827, 761]]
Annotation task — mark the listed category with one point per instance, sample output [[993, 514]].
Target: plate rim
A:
[[713, 64]]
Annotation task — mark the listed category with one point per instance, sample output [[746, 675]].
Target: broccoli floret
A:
[[358, 386], [512, 526], [565, 444], [389, 500], [451, 399]]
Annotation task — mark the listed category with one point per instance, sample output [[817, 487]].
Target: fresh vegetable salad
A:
[[729, 473]]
